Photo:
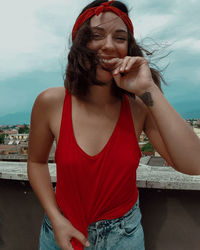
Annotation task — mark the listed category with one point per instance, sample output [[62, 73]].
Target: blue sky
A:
[[35, 39]]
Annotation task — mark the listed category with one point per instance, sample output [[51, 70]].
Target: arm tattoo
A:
[[147, 99]]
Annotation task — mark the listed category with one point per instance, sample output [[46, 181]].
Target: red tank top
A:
[[93, 188]]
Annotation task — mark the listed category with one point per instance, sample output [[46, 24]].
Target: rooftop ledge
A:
[[147, 176]]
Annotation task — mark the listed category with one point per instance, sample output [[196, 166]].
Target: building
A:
[[197, 131], [12, 149], [16, 138]]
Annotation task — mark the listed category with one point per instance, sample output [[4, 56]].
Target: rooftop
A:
[[148, 176], [169, 204]]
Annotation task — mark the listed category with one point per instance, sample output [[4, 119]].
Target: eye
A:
[[121, 38], [97, 36]]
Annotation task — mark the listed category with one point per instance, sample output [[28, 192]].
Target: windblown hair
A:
[[82, 62]]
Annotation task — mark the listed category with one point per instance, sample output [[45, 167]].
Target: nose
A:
[[108, 43]]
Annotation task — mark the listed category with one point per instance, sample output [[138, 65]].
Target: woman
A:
[[111, 95]]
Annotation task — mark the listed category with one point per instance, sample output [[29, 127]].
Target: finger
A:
[[114, 60], [67, 246], [120, 68], [115, 63], [111, 64], [81, 237], [135, 62], [130, 64], [124, 64], [117, 78]]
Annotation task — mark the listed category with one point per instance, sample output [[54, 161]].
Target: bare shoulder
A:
[[41, 135], [51, 96], [47, 105], [47, 101]]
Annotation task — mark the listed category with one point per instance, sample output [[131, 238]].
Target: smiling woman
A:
[[111, 95], [81, 57], [109, 40]]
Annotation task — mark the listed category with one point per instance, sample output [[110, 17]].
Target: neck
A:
[[101, 96]]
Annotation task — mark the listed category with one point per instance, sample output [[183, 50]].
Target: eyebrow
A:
[[102, 29], [121, 31]]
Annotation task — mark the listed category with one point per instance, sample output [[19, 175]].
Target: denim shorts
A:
[[125, 232]]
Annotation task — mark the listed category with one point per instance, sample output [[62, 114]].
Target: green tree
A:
[[6, 127], [147, 148], [24, 130], [2, 138]]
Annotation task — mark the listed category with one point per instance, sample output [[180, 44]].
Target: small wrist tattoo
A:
[[147, 99]]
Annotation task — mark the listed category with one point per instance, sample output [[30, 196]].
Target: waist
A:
[[105, 207], [134, 211]]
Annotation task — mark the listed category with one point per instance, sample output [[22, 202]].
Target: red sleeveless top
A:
[[93, 188]]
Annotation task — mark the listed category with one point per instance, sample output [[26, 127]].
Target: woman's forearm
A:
[[182, 143], [40, 181]]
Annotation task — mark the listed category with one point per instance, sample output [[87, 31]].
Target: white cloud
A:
[[34, 33], [148, 25], [190, 44], [29, 43]]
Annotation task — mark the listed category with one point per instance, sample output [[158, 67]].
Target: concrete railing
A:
[[147, 176]]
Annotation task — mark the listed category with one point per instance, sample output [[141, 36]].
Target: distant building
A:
[[11, 152], [197, 131], [11, 131], [148, 153], [9, 149], [143, 137], [16, 139], [20, 126]]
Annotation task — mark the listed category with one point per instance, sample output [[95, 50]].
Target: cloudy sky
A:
[[35, 41]]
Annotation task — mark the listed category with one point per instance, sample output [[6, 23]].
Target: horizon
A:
[[37, 56], [24, 118]]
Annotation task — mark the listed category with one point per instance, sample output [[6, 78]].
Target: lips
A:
[[106, 63], [105, 60], [106, 57]]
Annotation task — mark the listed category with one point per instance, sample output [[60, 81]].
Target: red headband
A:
[[96, 11]]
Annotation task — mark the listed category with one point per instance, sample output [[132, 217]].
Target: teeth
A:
[[105, 60]]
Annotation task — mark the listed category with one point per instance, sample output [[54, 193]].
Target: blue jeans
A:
[[125, 232]]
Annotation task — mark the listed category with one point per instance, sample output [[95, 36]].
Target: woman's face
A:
[[109, 40]]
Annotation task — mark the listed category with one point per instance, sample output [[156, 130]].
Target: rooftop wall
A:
[[171, 218], [169, 202]]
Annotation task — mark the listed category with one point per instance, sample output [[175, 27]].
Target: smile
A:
[[105, 60]]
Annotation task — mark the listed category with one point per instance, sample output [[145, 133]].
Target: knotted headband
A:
[[96, 11]]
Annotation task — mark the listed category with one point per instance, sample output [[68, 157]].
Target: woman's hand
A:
[[64, 232], [136, 75]]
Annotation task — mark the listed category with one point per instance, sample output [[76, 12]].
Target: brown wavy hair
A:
[[80, 73]]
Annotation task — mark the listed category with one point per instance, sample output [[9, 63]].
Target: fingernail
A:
[[87, 243]]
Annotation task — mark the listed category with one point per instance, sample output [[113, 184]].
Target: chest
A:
[[92, 129]]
